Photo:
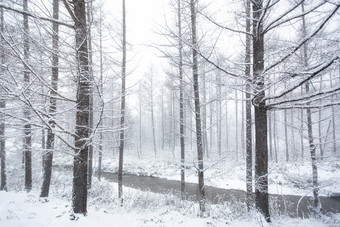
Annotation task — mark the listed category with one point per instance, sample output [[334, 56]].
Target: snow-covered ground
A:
[[18, 208], [140, 209]]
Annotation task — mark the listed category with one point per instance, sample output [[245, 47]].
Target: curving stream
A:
[[283, 204]]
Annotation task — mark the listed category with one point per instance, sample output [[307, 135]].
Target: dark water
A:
[[282, 204]]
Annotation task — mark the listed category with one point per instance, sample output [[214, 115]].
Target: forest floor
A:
[[145, 208], [140, 209]]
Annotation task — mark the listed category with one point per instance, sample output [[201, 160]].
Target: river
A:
[[291, 205]]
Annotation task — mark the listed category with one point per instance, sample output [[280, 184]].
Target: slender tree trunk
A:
[[286, 132], [3, 185], [211, 107], [219, 115], [226, 126], [153, 119], [261, 143], [181, 99], [122, 112], [275, 137], [312, 148], [79, 192], [27, 112], [242, 126], [174, 126], [171, 121], [302, 147], [249, 147], [294, 156], [89, 40], [333, 119], [201, 188], [43, 135], [319, 125], [236, 125], [163, 130], [48, 152], [204, 117], [100, 148], [140, 119], [270, 134]]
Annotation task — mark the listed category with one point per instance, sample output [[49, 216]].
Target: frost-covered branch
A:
[[35, 16], [312, 75], [305, 40]]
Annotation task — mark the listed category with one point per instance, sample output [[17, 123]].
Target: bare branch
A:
[[303, 41], [329, 92], [223, 27], [69, 10], [313, 74], [35, 16]]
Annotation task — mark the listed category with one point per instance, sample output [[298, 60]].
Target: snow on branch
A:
[[297, 47], [3, 6], [319, 95], [275, 23], [69, 10], [318, 70]]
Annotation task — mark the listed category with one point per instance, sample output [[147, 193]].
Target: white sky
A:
[[142, 18]]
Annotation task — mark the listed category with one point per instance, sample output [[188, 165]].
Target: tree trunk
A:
[[174, 98], [286, 132], [3, 185], [211, 108], [79, 193], [153, 118], [181, 100], [163, 130], [302, 146], [275, 137], [301, 131], [100, 148], [219, 115], [226, 126], [27, 112], [89, 40], [312, 148], [204, 117], [319, 125], [261, 142], [242, 126], [236, 126], [249, 147], [333, 119], [171, 129], [140, 119], [201, 188], [122, 112], [270, 134], [294, 156], [48, 152]]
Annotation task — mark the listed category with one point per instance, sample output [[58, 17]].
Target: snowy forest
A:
[[170, 113]]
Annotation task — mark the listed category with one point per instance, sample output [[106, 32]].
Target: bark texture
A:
[[27, 112], [249, 155], [3, 185], [48, 152], [261, 142], [122, 111], [200, 170], [79, 193], [181, 100]]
